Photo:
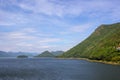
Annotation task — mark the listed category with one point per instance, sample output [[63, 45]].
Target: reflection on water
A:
[[56, 69]]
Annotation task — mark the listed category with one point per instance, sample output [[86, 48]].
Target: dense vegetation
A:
[[57, 53], [102, 44]]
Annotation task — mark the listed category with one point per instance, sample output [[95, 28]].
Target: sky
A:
[[39, 25]]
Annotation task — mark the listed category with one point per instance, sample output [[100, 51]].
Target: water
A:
[[56, 69]]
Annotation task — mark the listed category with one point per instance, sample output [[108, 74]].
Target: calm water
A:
[[56, 69]]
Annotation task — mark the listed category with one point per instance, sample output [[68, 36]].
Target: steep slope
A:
[[45, 54], [102, 44]]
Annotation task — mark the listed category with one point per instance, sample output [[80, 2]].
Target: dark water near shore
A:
[[56, 69]]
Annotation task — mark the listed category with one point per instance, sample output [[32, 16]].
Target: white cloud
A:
[[101, 9], [10, 19], [80, 28], [16, 36], [62, 8], [4, 23], [29, 30], [42, 6], [45, 40], [53, 15], [24, 44], [22, 40]]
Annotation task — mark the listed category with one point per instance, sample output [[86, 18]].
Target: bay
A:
[[56, 69]]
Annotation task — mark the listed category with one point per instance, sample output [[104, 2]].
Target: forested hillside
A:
[[102, 44]]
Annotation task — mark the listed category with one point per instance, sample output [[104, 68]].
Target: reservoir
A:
[[56, 69]]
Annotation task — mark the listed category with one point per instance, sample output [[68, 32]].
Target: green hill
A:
[[102, 44], [45, 54], [57, 53]]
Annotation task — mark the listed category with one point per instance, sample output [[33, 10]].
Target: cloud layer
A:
[[38, 25]]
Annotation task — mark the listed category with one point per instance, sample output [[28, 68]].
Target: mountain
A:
[[57, 53], [3, 54], [29, 54], [45, 54], [15, 54], [102, 44]]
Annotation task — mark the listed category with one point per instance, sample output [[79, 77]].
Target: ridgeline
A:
[[103, 44]]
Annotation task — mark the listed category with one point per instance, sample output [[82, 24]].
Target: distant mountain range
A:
[[43, 54], [3, 54], [15, 54], [102, 44], [50, 54]]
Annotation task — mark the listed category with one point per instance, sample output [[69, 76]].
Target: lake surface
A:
[[56, 69]]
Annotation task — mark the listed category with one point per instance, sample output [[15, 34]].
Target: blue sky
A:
[[38, 25]]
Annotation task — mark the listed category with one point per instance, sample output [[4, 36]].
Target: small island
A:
[[22, 56]]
